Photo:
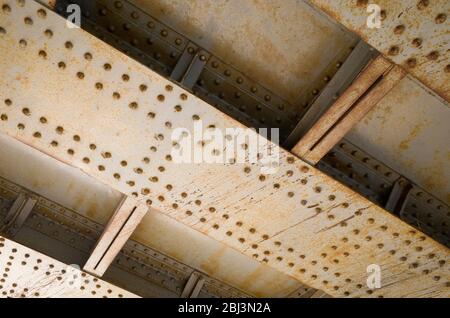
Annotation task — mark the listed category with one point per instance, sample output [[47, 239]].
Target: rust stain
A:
[[436, 177], [213, 263], [353, 17], [404, 144], [286, 36]]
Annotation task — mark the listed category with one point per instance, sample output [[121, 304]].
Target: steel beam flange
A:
[[296, 219], [27, 273], [374, 180]]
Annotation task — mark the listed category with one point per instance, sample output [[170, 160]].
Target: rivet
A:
[[6, 8], [394, 50], [28, 21], [441, 18], [423, 4], [88, 56], [48, 33], [68, 45], [411, 62], [433, 55], [42, 13], [416, 42], [399, 29]]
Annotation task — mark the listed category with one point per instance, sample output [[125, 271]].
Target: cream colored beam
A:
[[27, 273]]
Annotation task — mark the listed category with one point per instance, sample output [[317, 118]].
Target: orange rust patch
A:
[[404, 144], [213, 263]]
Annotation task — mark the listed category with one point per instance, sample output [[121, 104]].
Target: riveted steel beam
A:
[[296, 219], [412, 33], [69, 237], [386, 187], [30, 274]]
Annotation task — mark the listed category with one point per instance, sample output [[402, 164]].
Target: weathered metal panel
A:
[[296, 220], [408, 131], [27, 273], [276, 43], [412, 33]]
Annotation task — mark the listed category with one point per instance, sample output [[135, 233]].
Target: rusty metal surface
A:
[[276, 43], [413, 34], [377, 182], [27, 273], [96, 201], [296, 220], [241, 93], [408, 132], [138, 268]]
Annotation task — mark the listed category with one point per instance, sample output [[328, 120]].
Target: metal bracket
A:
[[353, 65], [190, 66], [374, 82], [193, 286], [17, 215], [117, 232], [397, 198]]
